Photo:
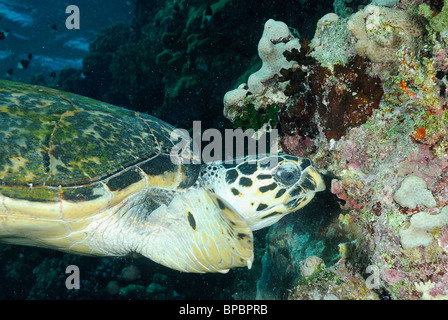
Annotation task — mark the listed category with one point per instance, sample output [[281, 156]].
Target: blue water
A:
[[38, 27]]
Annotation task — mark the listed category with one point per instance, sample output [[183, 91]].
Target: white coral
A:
[[413, 192], [263, 84], [419, 231], [276, 39], [310, 265]]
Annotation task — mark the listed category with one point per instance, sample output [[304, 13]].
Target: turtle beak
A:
[[313, 180], [310, 183]]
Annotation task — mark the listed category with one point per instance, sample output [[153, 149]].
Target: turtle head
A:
[[265, 188]]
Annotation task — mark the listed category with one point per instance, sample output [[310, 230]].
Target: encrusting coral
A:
[[326, 19], [413, 192], [421, 225], [381, 31], [332, 42]]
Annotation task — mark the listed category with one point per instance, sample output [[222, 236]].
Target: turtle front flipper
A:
[[198, 232]]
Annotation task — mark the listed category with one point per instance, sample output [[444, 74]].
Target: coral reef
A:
[[40, 274], [375, 124], [335, 102], [335, 40], [300, 87], [250, 118], [381, 31], [335, 283]]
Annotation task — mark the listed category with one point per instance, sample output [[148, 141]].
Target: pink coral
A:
[[443, 241], [297, 145], [442, 59], [338, 189], [441, 287], [349, 151], [392, 276], [424, 164]]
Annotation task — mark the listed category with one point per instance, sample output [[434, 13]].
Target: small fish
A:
[[30, 56], [54, 27], [4, 34], [53, 74], [9, 72], [23, 64]]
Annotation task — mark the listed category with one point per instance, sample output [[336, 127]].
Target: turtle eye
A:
[[287, 174]]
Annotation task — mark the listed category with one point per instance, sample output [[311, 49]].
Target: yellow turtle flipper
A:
[[198, 232]]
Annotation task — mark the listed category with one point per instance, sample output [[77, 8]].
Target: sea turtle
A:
[[86, 177]]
